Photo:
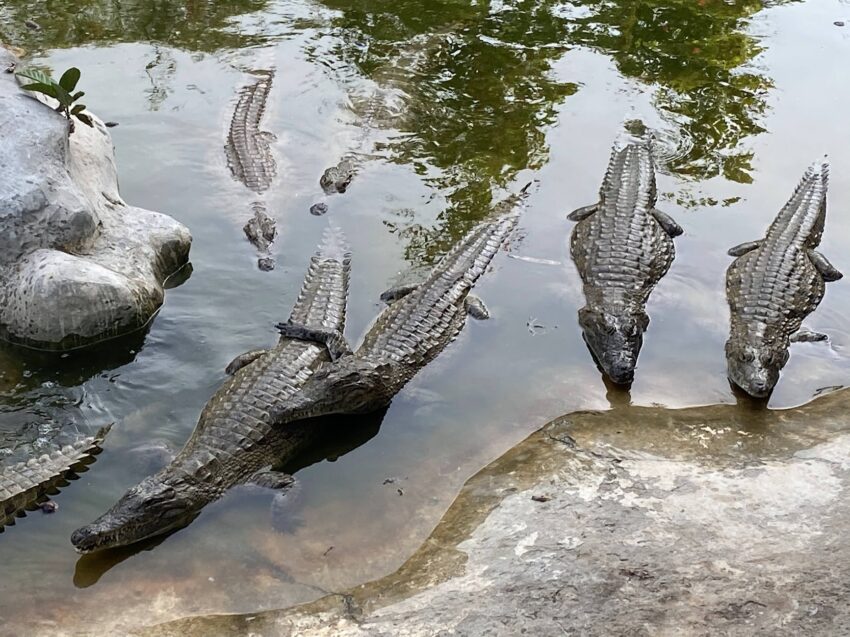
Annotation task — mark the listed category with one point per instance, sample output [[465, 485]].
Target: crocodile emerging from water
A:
[[622, 246], [774, 283], [25, 485], [237, 437]]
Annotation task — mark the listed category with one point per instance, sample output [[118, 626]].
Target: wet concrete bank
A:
[[640, 520]]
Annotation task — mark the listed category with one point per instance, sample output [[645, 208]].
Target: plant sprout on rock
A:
[[61, 91]]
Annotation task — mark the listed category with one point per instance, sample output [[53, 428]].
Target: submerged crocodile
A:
[[249, 157], [248, 150], [26, 485], [261, 230], [238, 437], [774, 283], [622, 246]]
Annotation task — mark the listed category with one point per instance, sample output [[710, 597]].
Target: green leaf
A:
[[77, 95], [79, 108], [62, 95], [85, 119], [69, 79], [35, 75], [40, 87]]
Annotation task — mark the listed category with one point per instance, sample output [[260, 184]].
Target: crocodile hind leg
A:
[[332, 339], [475, 307], [284, 508], [242, 360], [667, 222], [396, 293], [828, 271], [742, 248], [583, 213]]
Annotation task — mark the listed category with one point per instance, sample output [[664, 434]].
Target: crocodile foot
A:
[[332, 339]]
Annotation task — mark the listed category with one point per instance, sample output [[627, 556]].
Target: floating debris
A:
[[533, 326]]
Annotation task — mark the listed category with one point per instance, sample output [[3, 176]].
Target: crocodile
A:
[[266, 414], [26, 485], [622, 246], [775, 283], [261, 231], [248, 151], [238, 437], [420, 321]]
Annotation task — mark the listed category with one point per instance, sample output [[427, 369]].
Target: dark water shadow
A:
[[27, 369], [330, 437]]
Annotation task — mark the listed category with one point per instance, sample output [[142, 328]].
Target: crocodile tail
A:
[[804, 214], [630, 175], [24, 485], [323, 296], [472, 254]]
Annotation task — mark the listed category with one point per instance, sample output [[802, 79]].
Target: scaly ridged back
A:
[[773, 288], [415, 328], [322, 300], [231, 440], [24, 484], [621, 251], [248, 153]]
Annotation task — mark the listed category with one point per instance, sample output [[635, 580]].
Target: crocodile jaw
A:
[[614, 340], [151, 508]]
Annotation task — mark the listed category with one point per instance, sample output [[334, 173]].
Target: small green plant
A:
[[61, 91]]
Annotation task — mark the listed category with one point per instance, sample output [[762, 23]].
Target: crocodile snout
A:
[[621, 370]]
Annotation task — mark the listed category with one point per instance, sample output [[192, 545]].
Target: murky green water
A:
[[445, 105]]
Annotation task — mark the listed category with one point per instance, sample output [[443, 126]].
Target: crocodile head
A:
[[614, 340], [153, 507], [755, 368]]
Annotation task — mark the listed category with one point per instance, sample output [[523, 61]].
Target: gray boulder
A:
[[77, 264]]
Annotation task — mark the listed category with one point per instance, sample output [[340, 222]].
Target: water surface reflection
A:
[[445, 105]]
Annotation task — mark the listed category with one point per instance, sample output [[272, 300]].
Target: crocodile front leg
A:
[[242, 360], [475, 307], [828, 271], [332, 339], [742, 248], [583, 213], [270, 479], [667, 222], [808, 336]]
